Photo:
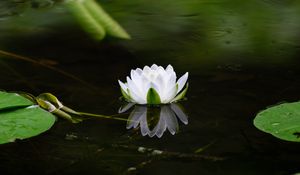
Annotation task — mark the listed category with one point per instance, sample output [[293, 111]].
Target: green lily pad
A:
[[24, 123], [20, 118], [11, 100], [282, 121]]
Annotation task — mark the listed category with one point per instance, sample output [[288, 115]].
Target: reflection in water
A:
[[155, 120]]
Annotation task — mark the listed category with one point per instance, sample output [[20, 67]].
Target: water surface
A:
[[242, 58]]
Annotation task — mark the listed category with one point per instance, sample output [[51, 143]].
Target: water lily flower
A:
[[156, 121], [154, 85]]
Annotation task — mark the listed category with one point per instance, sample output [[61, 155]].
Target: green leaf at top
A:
[[153, 97], [111, 26], [12, 100], [282, 121], [86, 20], [24, 123]]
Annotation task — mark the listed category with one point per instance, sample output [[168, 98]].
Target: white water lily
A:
[[154, 85]]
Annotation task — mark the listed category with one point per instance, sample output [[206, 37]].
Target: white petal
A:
[[182, 80], [123, 86], [160, 69], [132, 86], [135, 94], [169, 69], [132, 74], [136, 78], [159, 82], [145, 85], [170, 94], [154, 67], [139, 71], [172, 80], [136, 99], [146, 69], [155, 86]]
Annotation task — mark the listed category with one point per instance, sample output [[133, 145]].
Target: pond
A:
[[241, 58]]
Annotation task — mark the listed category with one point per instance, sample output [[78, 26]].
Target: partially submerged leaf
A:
[[282, 121], [50, 103], [62, 114], [13, 100], [51, 98], [24, 123]]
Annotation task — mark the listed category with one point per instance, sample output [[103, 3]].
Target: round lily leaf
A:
[[24, 123], [11, 100], [282, 121]]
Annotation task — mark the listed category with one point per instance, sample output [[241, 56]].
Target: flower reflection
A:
[[154, 121]]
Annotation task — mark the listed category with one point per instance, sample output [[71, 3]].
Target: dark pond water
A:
[[241, 56]]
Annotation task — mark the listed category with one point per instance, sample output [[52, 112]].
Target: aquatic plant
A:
[[282, 121], [23, 115], [154, 85], [21, 118]]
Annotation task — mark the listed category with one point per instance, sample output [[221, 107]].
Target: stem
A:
[[101, 116], [17, 74], [27, 59]]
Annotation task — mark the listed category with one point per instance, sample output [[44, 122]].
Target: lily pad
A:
[[24, 123], [20, 118], [282, 121], [11, 100]]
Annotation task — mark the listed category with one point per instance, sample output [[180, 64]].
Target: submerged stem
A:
[[27, 59], [17, 74]]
